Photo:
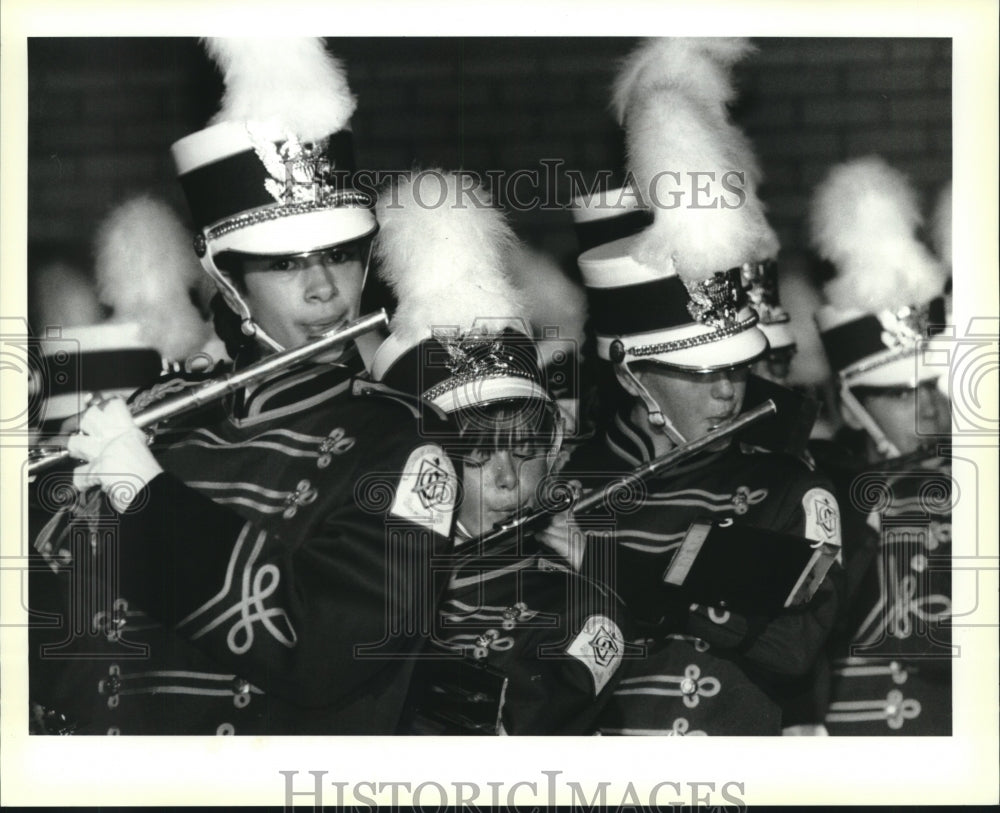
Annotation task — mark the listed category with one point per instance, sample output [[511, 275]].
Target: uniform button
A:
[[688, 686]]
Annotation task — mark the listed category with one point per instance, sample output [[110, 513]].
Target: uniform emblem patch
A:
[[599, 646], [822, 516], [433, 484], [427, 489]]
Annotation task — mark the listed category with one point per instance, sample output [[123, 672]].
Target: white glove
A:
[[115, 451]]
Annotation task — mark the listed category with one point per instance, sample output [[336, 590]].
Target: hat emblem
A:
[[477, 357], [715, 301], [299, 171], [903, 327]]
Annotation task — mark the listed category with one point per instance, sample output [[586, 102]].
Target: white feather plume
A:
[[941, 221], [864, 219], [551, 298], [669, 136], [145, 270], [444, 250], [292, 83], [698, 67]]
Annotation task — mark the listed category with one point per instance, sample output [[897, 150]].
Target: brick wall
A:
[[103, 113]]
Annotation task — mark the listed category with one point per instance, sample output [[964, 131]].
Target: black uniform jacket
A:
[[523, 645], [707, 669], [891, 652], [274, 579]]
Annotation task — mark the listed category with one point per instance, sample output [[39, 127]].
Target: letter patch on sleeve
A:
[[822, 516], [427, 489], [599, 646]]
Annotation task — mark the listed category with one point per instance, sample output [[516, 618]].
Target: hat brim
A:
[[908, 370], [714, 354], [297, 233], [486, 391]]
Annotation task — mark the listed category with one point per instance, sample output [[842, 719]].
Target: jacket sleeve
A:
[[310, 618]]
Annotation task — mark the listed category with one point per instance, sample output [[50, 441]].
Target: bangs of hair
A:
[[507, 425]]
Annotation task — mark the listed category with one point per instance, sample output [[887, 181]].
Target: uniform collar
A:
[[293, 390], [627, 441]]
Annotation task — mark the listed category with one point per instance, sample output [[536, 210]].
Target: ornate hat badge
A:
[[300, 172], [905, 326], [716, 301], [475, 357]]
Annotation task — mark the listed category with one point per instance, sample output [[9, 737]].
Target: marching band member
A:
[[270, 558], [523, 645], [892, 653], [678, 336]]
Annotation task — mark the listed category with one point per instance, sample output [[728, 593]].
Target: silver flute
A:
[[41, 458]]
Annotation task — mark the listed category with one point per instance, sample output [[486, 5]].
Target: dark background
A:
[[103, 113]]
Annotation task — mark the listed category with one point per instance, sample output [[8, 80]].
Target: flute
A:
[[598, 496], [42, 458]]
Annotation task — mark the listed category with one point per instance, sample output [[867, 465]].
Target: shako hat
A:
[[272, 173], [76, 363], [675, 292], [885, 297]]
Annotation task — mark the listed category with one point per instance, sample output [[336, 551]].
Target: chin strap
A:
[[885, 447], [657, 418], [248, 327]]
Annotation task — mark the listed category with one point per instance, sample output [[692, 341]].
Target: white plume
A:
[[698, 67], [717, 226], [146, 271], [293, 83], [941, 222], [801, 297], [551, 298], [444, 250], [864, 219]]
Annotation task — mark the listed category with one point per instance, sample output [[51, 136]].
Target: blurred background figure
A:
[[61, 294], [147, 274], [885, 295], [891, 651], [146, 301], [808, 370]]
